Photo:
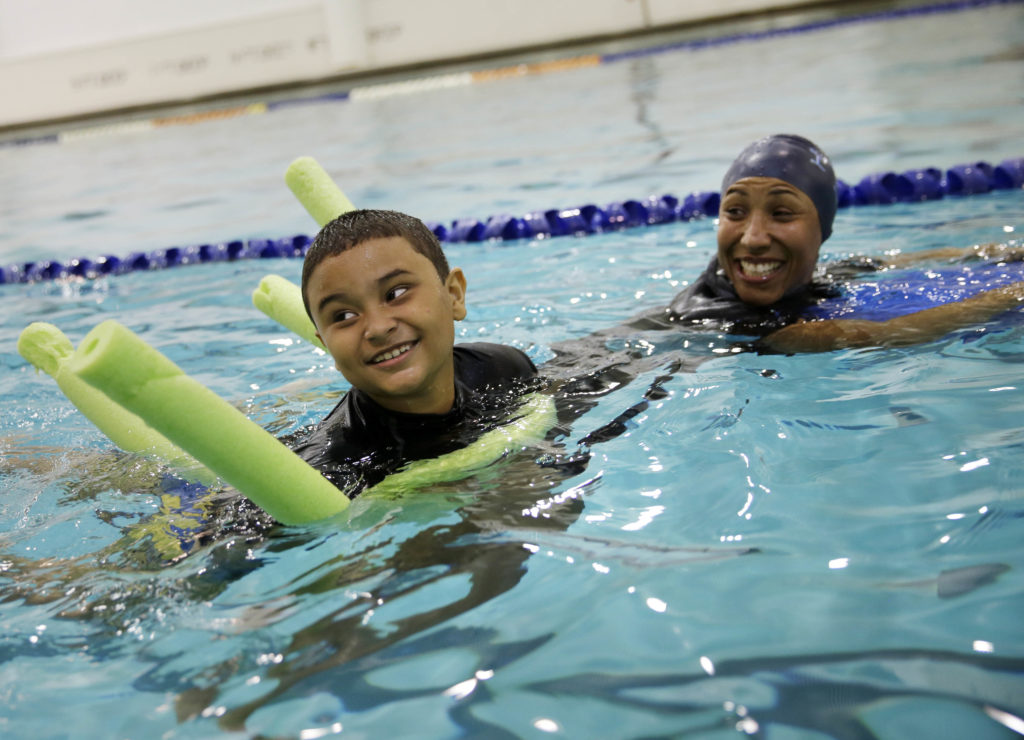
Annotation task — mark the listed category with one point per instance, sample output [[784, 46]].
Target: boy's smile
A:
[[769, 236], [387, 319]]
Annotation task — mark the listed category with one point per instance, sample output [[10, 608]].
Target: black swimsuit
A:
[[359, 443], [711, 302]]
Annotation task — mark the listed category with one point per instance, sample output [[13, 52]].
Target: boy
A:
[[384, 301]]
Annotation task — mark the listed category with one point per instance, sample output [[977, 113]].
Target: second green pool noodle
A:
[[316, 190], [281, 300], [49, 350], [141, 379], [536, 417]]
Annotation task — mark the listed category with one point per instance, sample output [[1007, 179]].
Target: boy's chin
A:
[[405, 399]]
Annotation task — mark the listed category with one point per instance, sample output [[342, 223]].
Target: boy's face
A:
[[769, 237], [388, 321]]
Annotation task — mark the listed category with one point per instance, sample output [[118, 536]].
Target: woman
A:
[[777, 207], [778, 204]]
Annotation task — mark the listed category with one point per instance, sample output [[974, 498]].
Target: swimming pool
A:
[[785, 547]]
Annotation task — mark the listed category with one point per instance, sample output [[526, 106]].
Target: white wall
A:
[[33, 27], [406, 31], [63, 58], [663, 12], [125, 56]]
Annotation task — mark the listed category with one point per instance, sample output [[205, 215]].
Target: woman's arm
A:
[[915, 328], [990, 251]]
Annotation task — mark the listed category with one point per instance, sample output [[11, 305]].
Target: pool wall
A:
[[109, 56]]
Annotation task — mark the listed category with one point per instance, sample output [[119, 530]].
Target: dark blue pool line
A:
[[881, 188]]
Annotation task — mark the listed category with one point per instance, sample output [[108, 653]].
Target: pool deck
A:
[[475, 69]]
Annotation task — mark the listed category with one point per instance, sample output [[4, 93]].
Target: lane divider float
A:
[[883, 188]]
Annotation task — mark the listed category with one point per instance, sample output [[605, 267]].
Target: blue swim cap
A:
[[795, 160]]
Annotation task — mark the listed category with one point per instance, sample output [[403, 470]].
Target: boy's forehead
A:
[[368, 262]]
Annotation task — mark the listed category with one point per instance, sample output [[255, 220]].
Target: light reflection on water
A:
[[712, 530], [686, 580]]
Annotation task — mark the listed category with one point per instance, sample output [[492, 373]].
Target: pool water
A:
[[784, 547]]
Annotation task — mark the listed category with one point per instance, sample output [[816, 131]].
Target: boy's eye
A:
[[342, 316], [397, 292]]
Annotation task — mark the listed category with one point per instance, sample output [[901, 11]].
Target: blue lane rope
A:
[[882, 188]]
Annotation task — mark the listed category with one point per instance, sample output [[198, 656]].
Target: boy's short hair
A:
[[356, 227]]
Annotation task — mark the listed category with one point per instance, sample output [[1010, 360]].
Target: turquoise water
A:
[[784, 547]]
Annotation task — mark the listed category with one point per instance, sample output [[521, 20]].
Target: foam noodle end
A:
[[316, 190], [112, 352], [281, 300], [125, 368], [45, 346]]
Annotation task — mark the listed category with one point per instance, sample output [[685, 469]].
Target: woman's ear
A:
[[455, 284]]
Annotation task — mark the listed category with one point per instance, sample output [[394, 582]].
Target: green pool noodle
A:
[[316, 190], [48, 349], [281, 300], [142, 380], [536, 415]]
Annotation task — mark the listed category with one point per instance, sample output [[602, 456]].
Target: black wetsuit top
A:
[[360, 442], [711, 301]]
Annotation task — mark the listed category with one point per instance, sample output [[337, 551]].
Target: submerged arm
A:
[[922, 326], [990, 251]]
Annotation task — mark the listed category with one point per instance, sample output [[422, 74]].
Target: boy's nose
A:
[[379, 325]]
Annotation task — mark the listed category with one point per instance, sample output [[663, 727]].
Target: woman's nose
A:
[[755, 232]]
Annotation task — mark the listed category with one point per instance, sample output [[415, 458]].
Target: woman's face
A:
[[769, 237]]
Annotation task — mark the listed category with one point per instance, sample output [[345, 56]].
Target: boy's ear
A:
[[455, 284]]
